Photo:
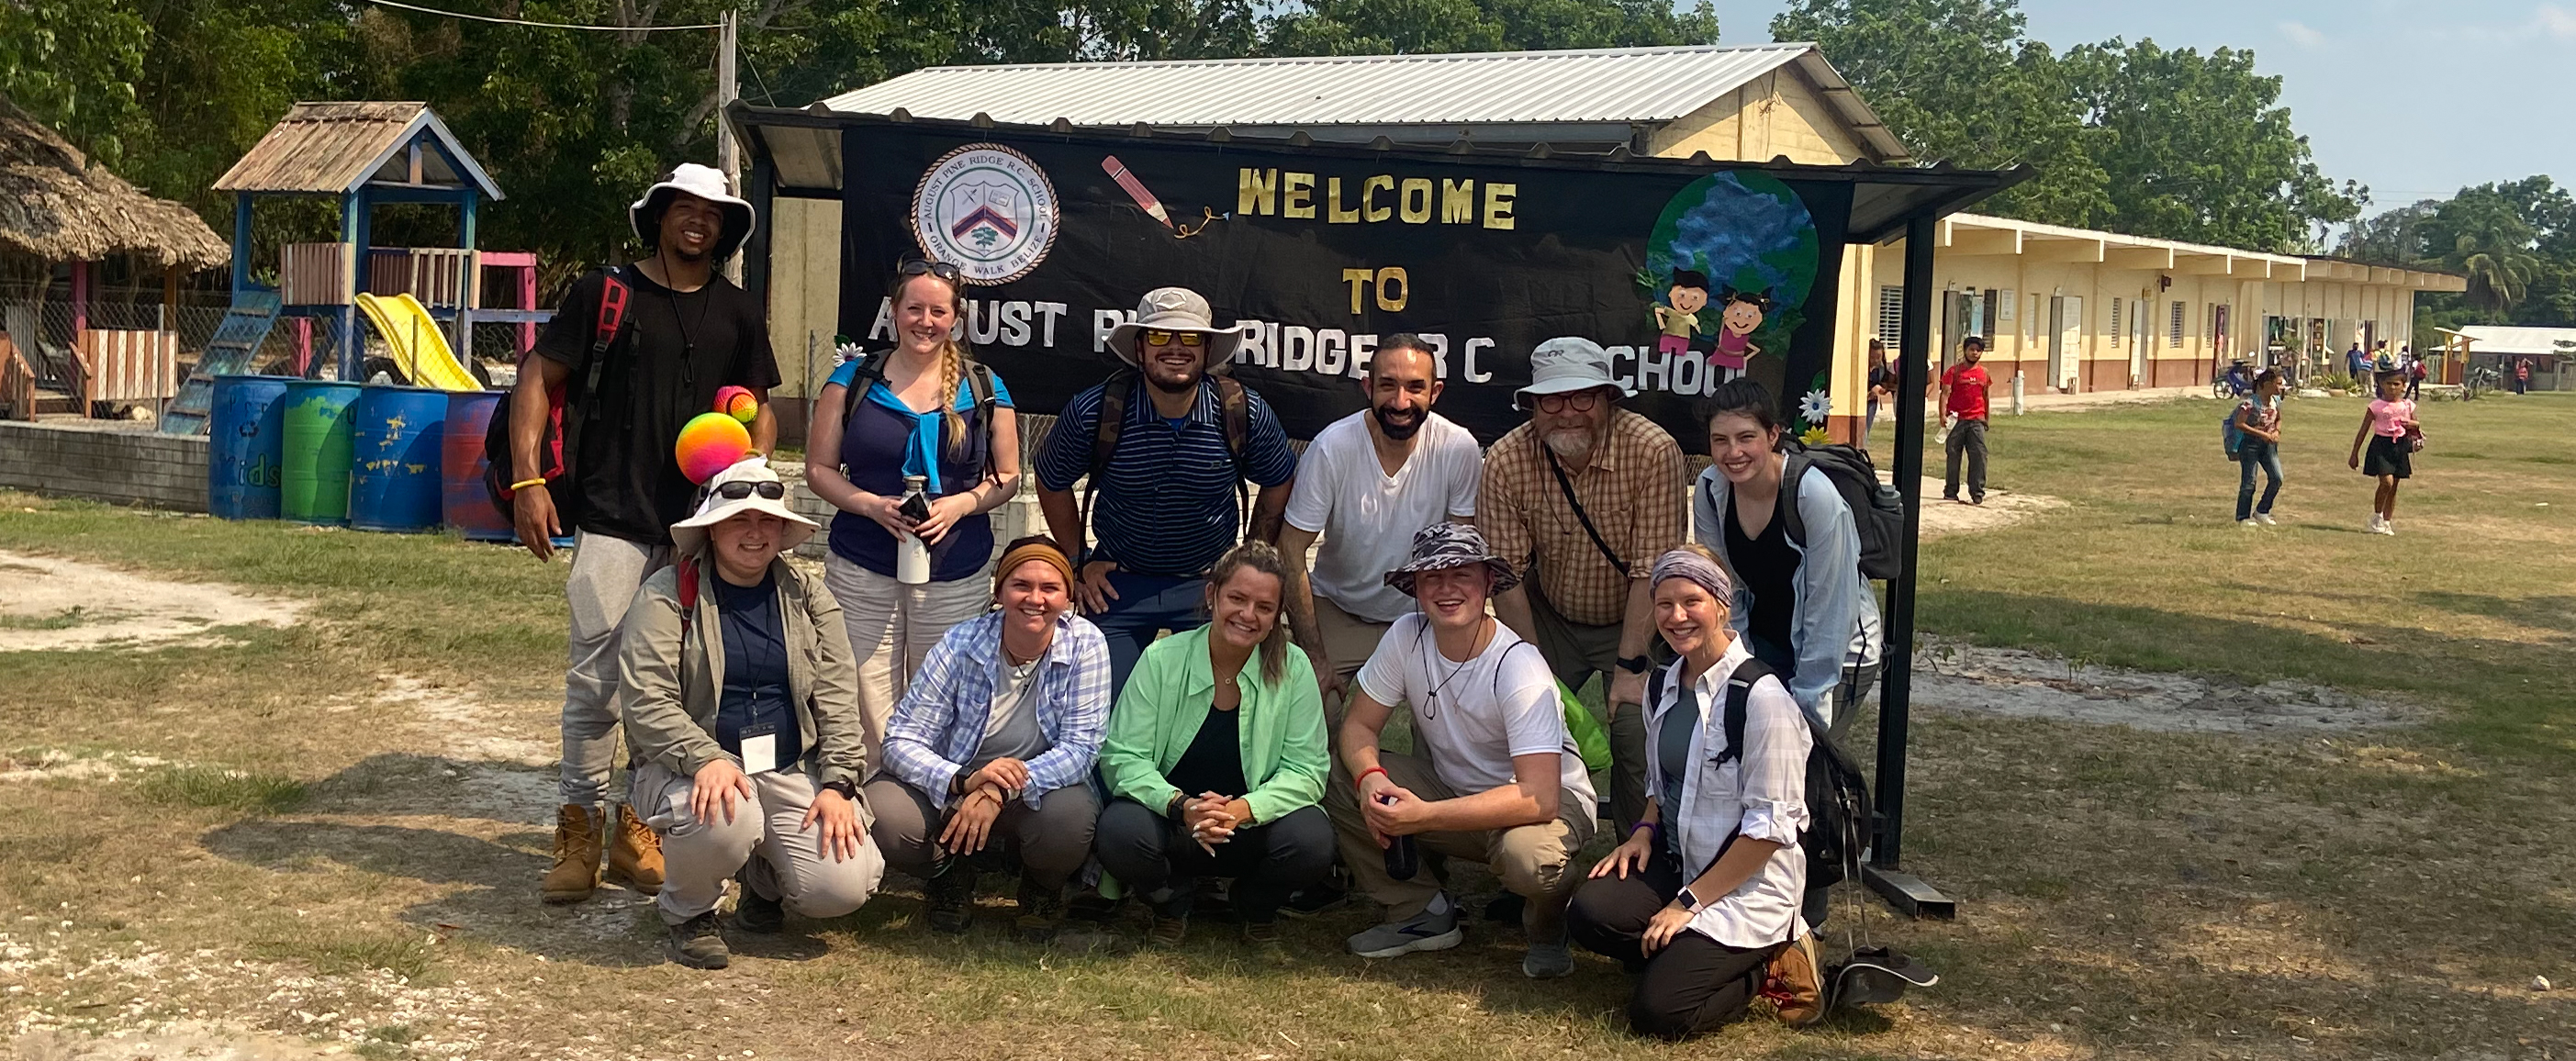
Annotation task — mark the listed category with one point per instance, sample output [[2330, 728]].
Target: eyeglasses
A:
[[741, 488], [912, 267], [1163, 338], [1580, 401]]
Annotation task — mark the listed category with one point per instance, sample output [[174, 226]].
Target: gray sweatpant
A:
[[606, 572], [787, 864], [1967, 436]]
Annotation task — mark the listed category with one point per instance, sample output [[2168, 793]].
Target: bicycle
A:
[[2480, 381]]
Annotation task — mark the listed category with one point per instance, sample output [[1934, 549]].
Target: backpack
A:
[[1841, 820], [979, 380], [1878, 511], [565, 412], [1232, 403], [2231, 438]]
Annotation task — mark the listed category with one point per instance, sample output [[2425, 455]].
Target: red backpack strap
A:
[[614, 294], [688, 594]]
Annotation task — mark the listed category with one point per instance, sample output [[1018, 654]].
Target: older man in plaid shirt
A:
[[1584, 497]]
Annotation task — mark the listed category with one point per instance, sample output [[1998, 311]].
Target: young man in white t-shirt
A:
[[1366, 484], [1498, 779]]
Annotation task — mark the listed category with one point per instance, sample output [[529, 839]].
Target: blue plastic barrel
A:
[[314, 484], [463, 499], [246, 439], [394, 459]]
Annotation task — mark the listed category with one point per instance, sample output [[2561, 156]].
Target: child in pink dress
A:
[[2389, 427], [1736, 324]]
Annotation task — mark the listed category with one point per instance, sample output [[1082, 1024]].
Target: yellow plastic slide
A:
[[418, 345]]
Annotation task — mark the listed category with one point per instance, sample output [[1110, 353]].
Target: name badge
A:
[[760, 748]]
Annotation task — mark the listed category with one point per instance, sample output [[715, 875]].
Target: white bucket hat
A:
[[1567, 364], [690, 535], [1177, 309], [705, 182]]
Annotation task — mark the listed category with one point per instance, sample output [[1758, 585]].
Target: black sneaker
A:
[[950, 899], [1314, 900], [698, 944], [1041, 912], [756, 915]]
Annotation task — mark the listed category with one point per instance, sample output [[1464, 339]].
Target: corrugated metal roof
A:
[[1614, 85], [2506, 339], [332, 148]]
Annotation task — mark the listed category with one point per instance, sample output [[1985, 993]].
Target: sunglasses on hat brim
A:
[[771, 490]]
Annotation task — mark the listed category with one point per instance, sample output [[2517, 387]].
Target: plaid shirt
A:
[[1634, 490], [939, 724]]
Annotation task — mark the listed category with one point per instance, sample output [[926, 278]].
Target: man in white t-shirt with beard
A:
[[1366, 484], [1496, 779]]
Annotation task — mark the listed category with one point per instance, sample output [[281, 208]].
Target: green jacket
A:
[[668, 686], [1168, 697]]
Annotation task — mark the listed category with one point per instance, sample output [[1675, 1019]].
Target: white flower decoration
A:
[[1814, 407], [844, 353]]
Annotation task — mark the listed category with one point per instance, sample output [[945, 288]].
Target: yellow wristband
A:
[[526, 483]]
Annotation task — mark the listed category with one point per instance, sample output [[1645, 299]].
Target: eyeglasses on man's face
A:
[[1582, 401]]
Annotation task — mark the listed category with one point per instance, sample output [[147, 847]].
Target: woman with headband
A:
[[988, 758], [1702, 900]]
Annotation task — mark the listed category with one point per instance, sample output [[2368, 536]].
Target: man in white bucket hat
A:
[[1168, 442], [1583, 498], [740, 697], [630, 356]]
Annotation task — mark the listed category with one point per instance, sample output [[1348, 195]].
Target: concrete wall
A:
[[123, 466], [1768, 117]]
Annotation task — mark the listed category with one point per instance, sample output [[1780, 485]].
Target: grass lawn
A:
[[331, 834]]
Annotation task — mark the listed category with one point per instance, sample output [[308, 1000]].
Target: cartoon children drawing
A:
[[1679, 318], [1736, 323]]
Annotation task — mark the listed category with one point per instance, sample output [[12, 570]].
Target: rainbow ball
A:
[[738, 403], [710, 443]]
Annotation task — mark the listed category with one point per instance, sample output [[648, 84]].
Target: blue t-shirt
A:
[[886, 441], [755, 668], [1167, 504]]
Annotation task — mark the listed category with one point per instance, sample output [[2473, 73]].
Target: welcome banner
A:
[[1690, 275]]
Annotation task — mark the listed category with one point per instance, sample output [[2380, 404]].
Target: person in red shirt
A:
[[1963, 395]]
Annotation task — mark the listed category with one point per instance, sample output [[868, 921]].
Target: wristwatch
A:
[[1689, 901], [1636, 664], [847, 790]]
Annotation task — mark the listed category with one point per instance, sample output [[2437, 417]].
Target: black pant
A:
[[1968, 436], [1146, 851], [1691, 986]]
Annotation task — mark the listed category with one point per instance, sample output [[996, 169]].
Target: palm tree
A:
[[2499, 273]]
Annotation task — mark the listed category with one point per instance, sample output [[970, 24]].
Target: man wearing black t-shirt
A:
[[686, 333]]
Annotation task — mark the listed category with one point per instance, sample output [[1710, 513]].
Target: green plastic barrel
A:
[[315, 485]]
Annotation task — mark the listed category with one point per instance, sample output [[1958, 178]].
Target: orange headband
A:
[[1012, 560]]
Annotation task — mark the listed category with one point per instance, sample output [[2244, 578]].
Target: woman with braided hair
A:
[[918, 412]]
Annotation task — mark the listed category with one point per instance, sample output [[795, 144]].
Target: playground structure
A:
[[422, 301]]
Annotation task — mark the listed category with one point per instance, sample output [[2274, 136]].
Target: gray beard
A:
[[1574, 446]]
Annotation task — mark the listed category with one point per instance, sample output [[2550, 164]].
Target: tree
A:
[[1959, 83], [2394, 238]]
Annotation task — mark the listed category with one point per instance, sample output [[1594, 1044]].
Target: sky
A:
[[2415, 99]]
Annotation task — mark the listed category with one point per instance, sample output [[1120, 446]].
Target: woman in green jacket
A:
[[1215, 759]]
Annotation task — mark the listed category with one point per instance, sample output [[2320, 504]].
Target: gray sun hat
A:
[[690, 535], [1566, 364], [1442, 546], [1177, 309]]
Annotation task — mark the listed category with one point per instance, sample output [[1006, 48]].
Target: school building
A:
[[2068, 309]]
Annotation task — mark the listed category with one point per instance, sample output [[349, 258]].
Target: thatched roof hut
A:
[[56, 206]]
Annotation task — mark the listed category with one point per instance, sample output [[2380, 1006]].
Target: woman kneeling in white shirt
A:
[[1706, 942]]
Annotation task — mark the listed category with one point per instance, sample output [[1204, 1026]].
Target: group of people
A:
[[2367, 367], [1181, 683], [2384, 448]]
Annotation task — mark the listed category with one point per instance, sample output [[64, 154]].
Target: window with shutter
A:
[[2173, 329], [2115, 322], [1891, 314]]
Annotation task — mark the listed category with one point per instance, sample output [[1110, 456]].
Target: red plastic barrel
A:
[[463, 502]]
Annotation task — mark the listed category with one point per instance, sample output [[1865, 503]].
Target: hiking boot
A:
[[576, 870], [950, 899], [754, 914], [1423, 931], [1266, 942], [1172, 915], [697, 943], [635, 853], [1796, 983], [1041, 911]]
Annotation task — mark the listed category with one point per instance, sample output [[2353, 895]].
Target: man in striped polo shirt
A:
[[1165, 502]]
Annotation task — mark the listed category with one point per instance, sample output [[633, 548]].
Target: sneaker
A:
[[1422, 932], [1263, 933], [1041, 912], [2375, 524], [756, 915], [697, 943], [1314, 900], [1795, 983], [2249, 524], [1547, 961], [1168, 931], [2265, 518], [950, 899]]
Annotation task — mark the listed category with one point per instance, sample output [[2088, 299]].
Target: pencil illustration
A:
[[1135, 189]]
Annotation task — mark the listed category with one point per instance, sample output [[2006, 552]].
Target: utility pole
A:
[[728, 152]]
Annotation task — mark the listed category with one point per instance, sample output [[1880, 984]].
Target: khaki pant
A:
[[606, 572], [792, 867], [1534, 861], [1349, 640], [892, 627], [1576, 652]]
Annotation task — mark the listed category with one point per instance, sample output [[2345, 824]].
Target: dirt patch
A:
[[2018, 684], [469, 726], [55, 764], [2003, 508], [53, 605]]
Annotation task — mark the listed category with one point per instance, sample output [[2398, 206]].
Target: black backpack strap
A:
[[871, 370], [1793, 471], [1739, 694], [1235, 412], [1585, 518], [1111, 421]]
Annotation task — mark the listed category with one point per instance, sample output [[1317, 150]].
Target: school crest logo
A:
[[987, 209]]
